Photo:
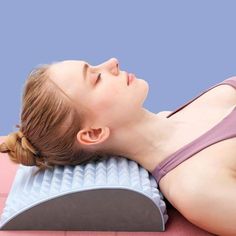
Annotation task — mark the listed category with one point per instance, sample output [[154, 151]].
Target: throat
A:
[[165, 146]]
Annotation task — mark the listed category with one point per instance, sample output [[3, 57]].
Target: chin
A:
[[141, 92], [145, 92], [145, 85]]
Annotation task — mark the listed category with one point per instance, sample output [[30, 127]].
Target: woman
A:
[[74, 113]]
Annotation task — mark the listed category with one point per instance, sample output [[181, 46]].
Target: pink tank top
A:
[[225, 129]]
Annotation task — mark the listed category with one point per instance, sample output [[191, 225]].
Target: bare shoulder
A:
[[232, 77], [224, 94], [205, 204], [203, 194]]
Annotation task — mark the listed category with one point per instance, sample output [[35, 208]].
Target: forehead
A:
[[67, 75], [68, 68]]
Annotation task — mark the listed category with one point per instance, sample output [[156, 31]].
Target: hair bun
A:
[[19, 149], [26, 145]]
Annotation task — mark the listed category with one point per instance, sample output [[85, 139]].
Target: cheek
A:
[[103, 100]]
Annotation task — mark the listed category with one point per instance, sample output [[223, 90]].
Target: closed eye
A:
[[98, 78]]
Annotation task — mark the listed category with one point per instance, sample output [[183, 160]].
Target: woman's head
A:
[[67, 118], [107, 97]]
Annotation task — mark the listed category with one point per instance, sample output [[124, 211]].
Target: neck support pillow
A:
[[115, 194]]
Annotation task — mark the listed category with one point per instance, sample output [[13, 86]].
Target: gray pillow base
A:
[[115, 194]]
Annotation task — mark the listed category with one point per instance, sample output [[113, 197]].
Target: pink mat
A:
[[176, 224]]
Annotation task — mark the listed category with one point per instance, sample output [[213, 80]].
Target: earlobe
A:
[[93, 135]]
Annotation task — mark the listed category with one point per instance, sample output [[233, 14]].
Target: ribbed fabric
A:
[[225, 129]]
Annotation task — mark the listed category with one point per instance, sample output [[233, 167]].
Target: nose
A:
[[113, 66]]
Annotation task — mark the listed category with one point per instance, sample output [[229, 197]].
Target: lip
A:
[[130, 78]]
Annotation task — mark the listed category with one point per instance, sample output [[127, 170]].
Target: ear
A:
[[93, 135]]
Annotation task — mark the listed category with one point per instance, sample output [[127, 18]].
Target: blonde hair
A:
[[50, 122]]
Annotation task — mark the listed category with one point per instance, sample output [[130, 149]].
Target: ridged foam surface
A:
[[113, 194]]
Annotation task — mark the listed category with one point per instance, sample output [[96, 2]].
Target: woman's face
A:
[[111, 101]]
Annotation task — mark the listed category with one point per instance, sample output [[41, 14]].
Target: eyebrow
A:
[[85, 69]]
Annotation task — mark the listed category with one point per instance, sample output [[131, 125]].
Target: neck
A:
[[147, 140]]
